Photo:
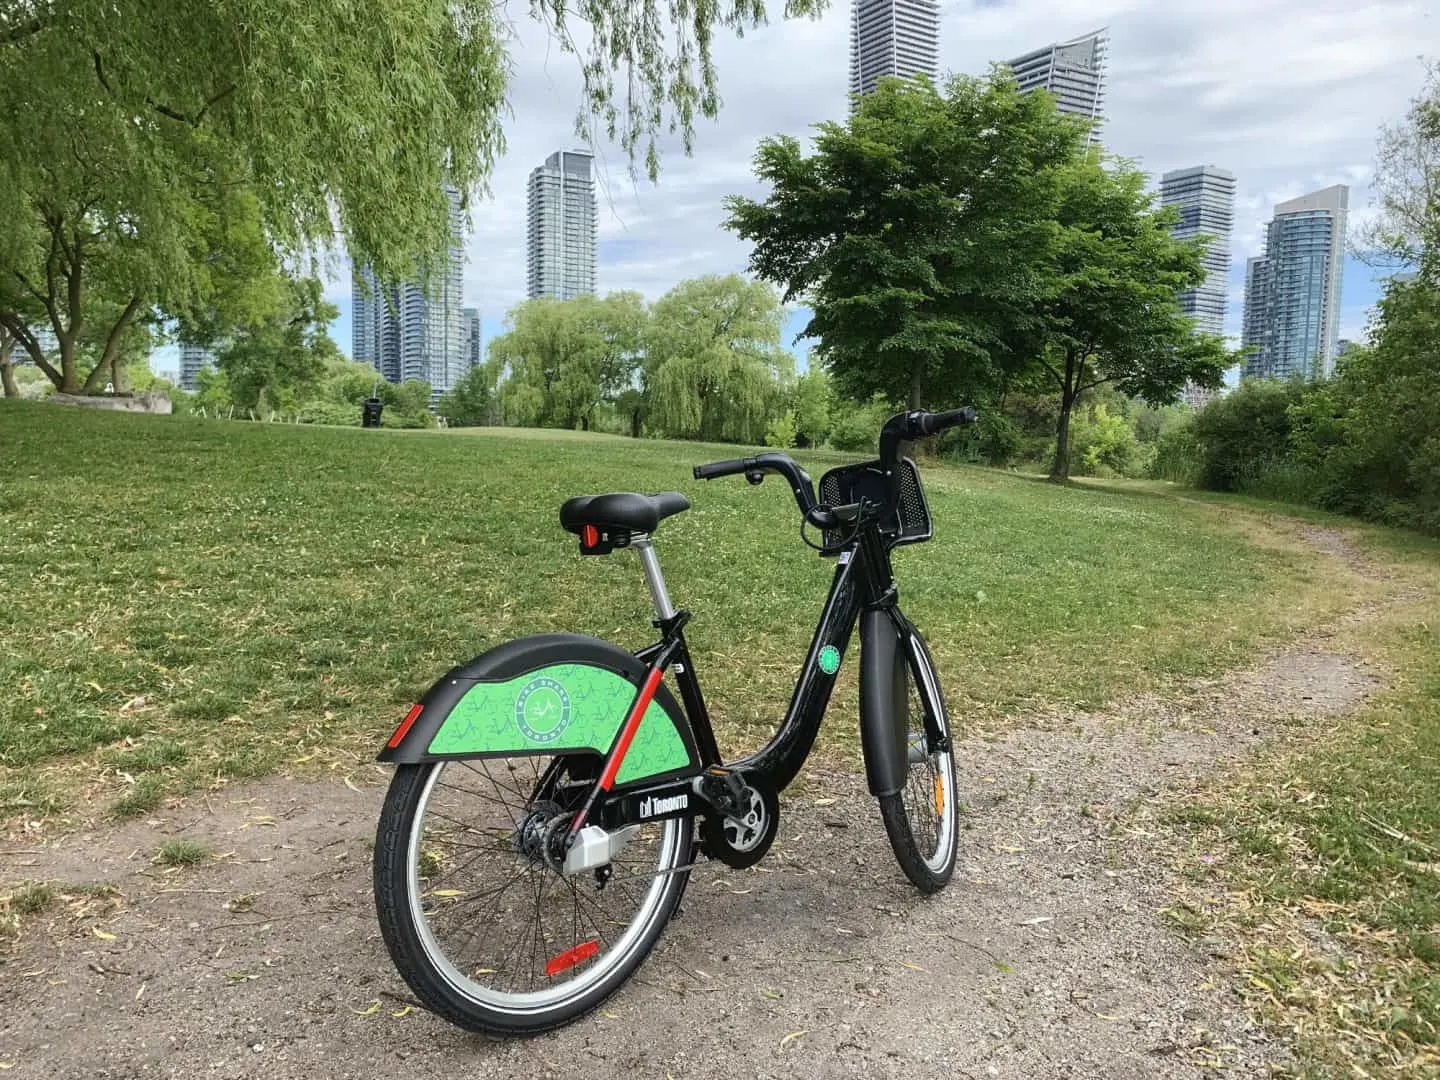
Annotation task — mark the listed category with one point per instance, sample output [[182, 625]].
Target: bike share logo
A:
[[829, 659], [542, 709], [654, 805]]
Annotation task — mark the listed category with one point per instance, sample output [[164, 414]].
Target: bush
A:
[[857, 427], [1102, 443], [1243, 434], [329, 412], [1177, 456], [781, 432]]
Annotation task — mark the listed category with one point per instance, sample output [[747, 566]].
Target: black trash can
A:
[[370, 412]]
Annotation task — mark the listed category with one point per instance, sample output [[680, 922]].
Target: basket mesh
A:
[[905, 518]]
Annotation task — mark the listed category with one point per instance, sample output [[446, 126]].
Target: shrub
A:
[[1245, 432], [781, 432], [857, 427]]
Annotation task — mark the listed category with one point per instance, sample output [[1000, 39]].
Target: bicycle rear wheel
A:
[[922, 819], [484, 930]]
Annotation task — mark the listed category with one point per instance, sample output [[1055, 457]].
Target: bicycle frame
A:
[[863, 582]]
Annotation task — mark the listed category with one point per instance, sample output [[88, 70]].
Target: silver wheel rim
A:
[[568, 990], [944, 765]]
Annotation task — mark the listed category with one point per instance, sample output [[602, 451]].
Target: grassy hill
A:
[[183, 599]]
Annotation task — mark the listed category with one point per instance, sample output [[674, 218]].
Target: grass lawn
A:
[[1322, 861], [184, 600]]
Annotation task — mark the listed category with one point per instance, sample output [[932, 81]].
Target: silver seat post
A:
[[651, 562]]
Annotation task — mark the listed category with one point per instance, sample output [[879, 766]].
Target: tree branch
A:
[[26, 337], [112, 346], [1095, 383]]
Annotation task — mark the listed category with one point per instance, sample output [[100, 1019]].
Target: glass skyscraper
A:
[[193, 360], [1073, 72], [410, 331], [898, 38], [1205, 199], [561, 258], [1292, 292]]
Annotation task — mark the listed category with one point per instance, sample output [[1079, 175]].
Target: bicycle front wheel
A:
[[922, 819], [481, 926]]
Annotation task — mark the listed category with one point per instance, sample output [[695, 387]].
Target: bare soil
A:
[[1048, 956]]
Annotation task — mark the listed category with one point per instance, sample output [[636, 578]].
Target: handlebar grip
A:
[[932, 423], [717, 469]]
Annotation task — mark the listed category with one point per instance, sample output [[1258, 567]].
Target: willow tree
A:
[[560, 359], [714, 365], [126, 126]]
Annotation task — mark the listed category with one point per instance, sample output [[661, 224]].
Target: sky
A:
[[1288, 109]]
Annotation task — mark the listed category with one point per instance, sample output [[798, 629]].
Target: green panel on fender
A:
[[561, 707]]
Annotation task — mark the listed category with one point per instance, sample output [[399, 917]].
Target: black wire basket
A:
[[905, 516]]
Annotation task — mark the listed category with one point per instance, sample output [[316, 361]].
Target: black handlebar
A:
[[899, 429], [936, 422], [717, 469]]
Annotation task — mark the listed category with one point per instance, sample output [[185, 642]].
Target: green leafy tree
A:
[[920, 232], [1406, 186], [714, 365], [812, 402], [130, 134], [468, 403], [560, 359], [1113, 315], [1374, 432], [279, 360]]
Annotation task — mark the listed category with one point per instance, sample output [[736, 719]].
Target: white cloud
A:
[[1289, 99]]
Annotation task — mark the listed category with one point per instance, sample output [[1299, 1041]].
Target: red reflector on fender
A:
[[589, 536], [405, 725], [570, 957]]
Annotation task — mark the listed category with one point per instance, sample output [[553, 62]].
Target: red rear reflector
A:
[[589, 535], [405, 725], [570, 957]]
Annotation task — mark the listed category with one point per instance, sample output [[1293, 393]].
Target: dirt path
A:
[[1047, 956]]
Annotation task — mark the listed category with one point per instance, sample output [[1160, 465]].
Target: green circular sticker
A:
[[829, 659], [542, 709]]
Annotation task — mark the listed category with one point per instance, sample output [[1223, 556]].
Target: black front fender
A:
[[883, 730]]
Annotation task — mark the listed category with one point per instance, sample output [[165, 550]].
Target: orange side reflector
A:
[[405, 725], [570, 957], [939, 797]]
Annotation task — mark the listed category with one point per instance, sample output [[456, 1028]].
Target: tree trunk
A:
[[917, 373], [1060, 468], [69, 377], [108, 365], [7, 364]]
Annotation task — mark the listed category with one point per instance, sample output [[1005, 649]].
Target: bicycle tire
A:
[[928, 873], [435, 977]]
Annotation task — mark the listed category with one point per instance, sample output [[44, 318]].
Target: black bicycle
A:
[[551, 797]]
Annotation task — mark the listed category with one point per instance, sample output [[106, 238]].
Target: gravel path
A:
[[1046, 957]]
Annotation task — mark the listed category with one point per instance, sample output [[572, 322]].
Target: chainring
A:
[[742, 840]]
